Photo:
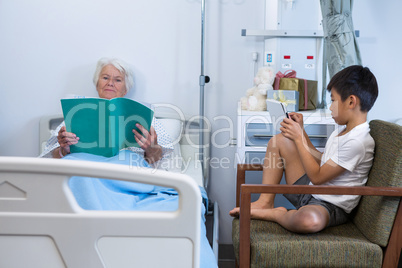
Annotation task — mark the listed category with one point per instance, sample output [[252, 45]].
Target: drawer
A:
[[258, 134], [319, 130], [319, 133]]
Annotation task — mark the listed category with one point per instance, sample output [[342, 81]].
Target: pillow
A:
[[174, 128]]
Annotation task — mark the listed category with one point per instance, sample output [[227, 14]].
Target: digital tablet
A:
[[276, 110]]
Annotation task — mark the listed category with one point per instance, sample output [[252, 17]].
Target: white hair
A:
[[120, 65]]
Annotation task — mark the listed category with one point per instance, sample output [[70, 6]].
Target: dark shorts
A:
[[337, 215]]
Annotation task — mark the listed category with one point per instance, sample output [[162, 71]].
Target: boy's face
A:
[[338, 108]]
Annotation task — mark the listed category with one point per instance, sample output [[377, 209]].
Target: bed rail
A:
[[36, 218]]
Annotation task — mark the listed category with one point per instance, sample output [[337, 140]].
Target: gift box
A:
[[288, 97], [307, 91], [307, 88], [289, 84]]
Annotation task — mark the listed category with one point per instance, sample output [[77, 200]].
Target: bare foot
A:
[[270, 214], [259, 204]]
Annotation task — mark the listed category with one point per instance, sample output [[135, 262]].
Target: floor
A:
[[226, 257]]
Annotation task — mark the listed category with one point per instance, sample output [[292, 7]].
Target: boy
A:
[[346, 160]]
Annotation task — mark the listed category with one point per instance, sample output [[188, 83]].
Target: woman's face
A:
[[111, 83]]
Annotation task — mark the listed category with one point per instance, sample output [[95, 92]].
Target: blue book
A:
[[104, 126]]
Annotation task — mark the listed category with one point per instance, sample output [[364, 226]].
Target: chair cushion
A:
[[376, 211], [339, 246]]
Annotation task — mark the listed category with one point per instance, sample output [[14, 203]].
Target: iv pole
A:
[[203, 80]]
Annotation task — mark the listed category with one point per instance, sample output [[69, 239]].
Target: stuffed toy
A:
[[256, 96]]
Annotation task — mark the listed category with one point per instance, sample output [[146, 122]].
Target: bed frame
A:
[[35, 219], [41, 225]]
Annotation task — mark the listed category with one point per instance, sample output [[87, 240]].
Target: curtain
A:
[[340, 45]]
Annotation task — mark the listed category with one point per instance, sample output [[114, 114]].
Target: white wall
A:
[[49, 49], [380, 44]]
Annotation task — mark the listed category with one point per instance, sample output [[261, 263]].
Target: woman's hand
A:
[[66, 139], [149, 143]]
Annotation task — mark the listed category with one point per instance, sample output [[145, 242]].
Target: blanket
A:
[[105, 194]]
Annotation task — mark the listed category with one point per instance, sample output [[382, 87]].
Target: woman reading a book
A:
[[113, 78]]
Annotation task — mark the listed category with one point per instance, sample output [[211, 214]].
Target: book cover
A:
[[277, 110], [104, 126]]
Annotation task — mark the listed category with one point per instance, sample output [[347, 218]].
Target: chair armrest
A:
[[319, 189], [305, 189]]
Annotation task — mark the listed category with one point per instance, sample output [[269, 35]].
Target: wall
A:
[[49, 49], [379, 43]]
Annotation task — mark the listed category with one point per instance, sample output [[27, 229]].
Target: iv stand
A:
[[203, 80]]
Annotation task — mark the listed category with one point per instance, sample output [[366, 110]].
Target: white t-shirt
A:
[[353, 151], [163, 138]]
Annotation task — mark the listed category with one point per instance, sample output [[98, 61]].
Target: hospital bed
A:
[[41, 224]]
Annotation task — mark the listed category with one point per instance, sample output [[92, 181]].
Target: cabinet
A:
[[255, 129]]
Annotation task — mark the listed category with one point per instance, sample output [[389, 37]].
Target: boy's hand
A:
[[297, 118], [293, 128]]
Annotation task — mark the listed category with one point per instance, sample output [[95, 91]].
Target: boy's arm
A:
[[313, 151], [317, 174], [298, 118]]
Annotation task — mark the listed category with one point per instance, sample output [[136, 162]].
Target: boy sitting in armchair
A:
[[346, 160]]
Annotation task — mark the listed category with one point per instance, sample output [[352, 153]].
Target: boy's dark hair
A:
[[356, 80]]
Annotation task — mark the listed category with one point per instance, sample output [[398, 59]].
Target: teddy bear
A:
[[255, 99]]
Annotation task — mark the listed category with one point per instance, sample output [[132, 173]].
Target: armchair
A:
[[372, 237]]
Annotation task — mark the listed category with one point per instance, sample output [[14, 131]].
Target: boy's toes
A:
[[234, 212]]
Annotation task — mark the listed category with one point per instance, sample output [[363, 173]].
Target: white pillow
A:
[[174, 129]]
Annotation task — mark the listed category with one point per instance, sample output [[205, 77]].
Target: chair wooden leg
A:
[[393, 251], [245, 224]]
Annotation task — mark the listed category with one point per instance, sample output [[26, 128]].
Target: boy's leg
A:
[[281, 155], [307, 219]]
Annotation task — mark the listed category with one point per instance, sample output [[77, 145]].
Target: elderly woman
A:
[[113, 78]]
